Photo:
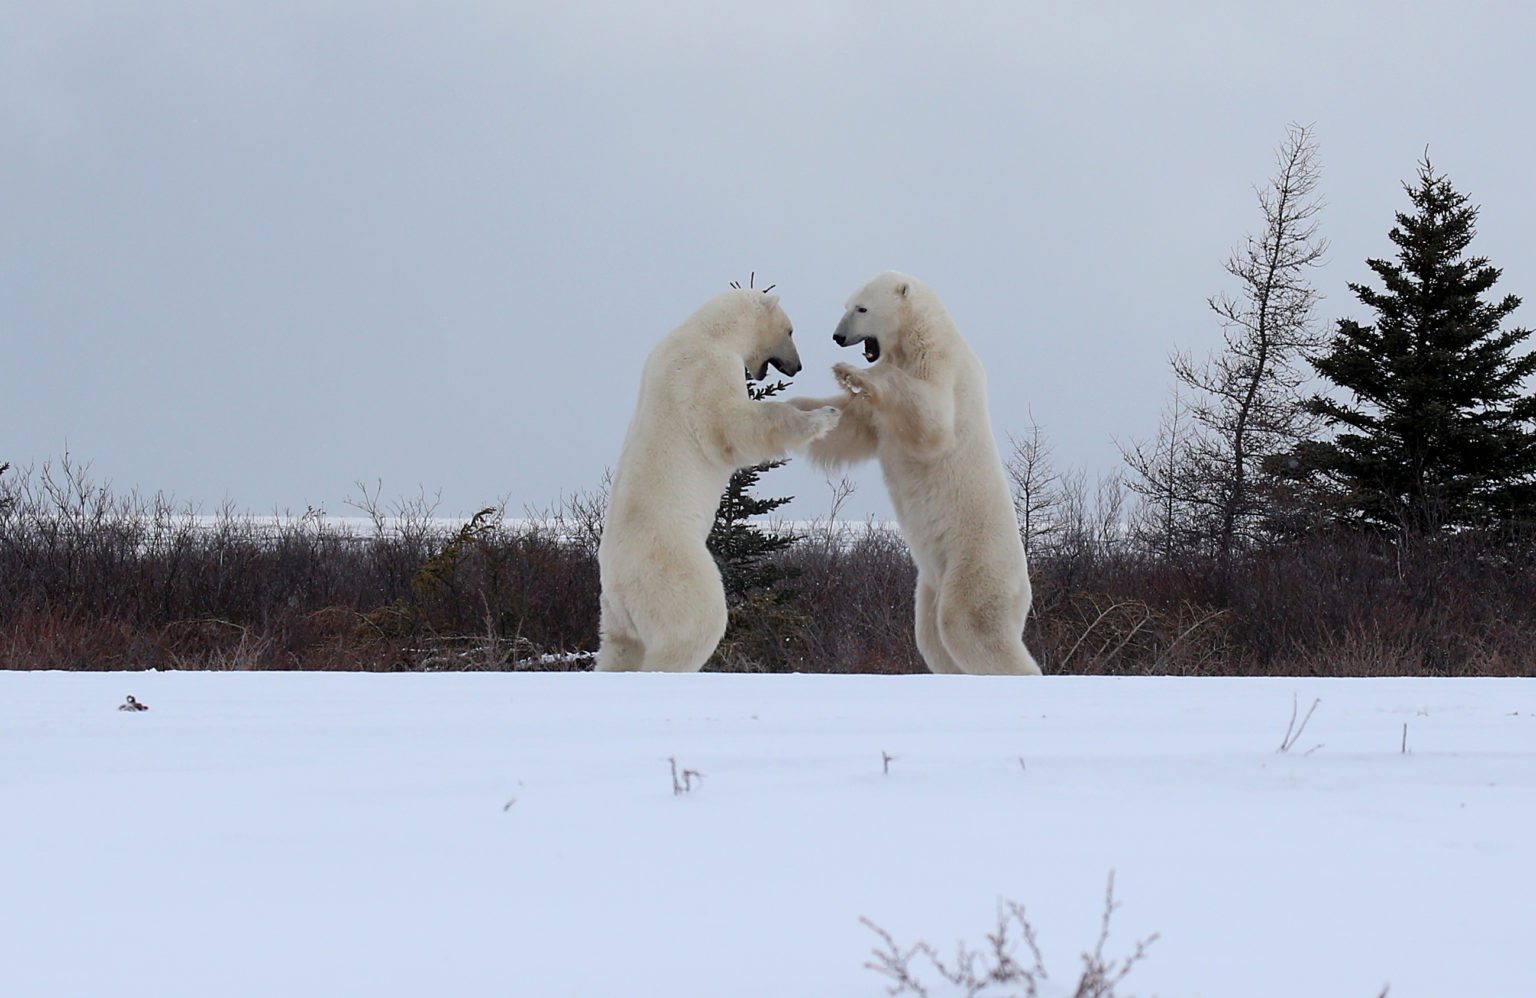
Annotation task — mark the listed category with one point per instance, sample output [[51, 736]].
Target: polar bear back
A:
[[666, 452]]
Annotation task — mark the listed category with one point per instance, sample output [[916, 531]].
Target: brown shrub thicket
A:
[[94, 580]]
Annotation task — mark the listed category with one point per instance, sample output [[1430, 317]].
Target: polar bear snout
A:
[[783, 355], [842, 336], [790, 366], [845, 336]]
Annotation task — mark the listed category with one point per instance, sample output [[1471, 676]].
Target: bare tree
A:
[[1244, 399], [1038, 494], [1163, 473], [577, 518], [1247, 396], [1092, 520]]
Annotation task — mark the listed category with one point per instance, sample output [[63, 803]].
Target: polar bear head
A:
[[880, 316], [768, 333]]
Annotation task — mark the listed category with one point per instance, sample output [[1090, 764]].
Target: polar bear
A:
[[921, 408], [663, 604]]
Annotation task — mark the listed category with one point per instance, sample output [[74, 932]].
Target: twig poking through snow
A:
[[1293, 733], [885, 761], [1099, 975], [682, 783], [132, 704], [511, 800], [1404, 752]]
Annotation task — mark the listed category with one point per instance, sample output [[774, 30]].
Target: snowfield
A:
[[519, 835]]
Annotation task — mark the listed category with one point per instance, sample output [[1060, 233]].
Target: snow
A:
[[518, 834]]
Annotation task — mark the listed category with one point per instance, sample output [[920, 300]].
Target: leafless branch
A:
[[1292, 731], [682, 782]]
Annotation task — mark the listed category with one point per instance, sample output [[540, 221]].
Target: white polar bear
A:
[[921, 407], [663, 604]]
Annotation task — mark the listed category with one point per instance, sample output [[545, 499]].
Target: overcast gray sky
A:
[[258, 251]]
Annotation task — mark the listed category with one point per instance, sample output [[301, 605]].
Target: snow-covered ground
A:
[[519, 834]]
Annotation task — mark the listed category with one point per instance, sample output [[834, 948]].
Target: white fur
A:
[[663, 604], [921, 408]]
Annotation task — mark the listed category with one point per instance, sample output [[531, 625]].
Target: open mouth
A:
[[871, 350]]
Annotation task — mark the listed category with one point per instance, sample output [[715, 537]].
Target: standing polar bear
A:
[[921, 408], [663, 604]]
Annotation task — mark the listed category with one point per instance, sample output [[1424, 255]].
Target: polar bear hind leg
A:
[[620, 649], [683, 640], [929, 643], [982, 629], [668, 626], [620, 654]]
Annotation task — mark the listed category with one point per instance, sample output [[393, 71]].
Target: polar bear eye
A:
[[860, 308]]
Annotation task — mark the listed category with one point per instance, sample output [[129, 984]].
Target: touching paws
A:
[[821, 421]]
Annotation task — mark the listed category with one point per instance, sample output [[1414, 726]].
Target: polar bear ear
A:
[[901, 289], [769, 300]]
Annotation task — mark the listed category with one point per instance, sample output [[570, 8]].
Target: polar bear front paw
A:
[[821, 421], [850, 379]]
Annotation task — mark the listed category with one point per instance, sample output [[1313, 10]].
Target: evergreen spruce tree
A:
[[741, 549], [1439, 433], [763, 618]]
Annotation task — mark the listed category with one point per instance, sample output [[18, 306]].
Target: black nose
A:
[[839, 340]]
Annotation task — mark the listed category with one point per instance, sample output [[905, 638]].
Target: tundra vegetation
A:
[[1357, 502]]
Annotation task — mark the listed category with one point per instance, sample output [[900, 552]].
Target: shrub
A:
[[90, 579]]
